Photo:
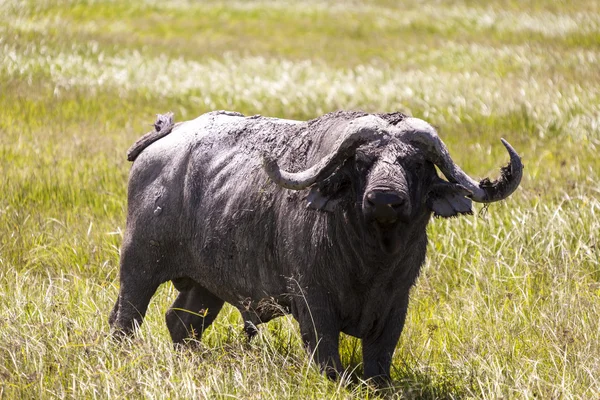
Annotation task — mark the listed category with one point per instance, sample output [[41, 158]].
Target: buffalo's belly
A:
[[245, 285], [236, 260]]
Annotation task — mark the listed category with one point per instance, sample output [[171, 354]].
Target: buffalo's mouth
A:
[[384, 230], [388, 236]]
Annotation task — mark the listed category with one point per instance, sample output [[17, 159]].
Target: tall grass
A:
[[508, 302]]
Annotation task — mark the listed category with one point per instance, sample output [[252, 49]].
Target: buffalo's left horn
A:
[[419, 133], [359, 131]]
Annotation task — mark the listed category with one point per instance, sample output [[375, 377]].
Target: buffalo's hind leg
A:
[[113, 314], [250, 328], [192, 312], [129, 310], [138, 286]]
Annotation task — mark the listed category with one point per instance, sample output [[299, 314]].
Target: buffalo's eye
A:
[[415, 167], [363, 162]]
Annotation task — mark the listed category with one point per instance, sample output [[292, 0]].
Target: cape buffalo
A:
[[323, 219]]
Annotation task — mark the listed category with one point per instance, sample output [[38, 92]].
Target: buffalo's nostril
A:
[[371, 199], [397, 203]]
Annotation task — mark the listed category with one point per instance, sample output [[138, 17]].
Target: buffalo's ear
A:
[[328, 194], [447, 199]]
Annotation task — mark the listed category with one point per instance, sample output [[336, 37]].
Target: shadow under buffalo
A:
[[409, 381]]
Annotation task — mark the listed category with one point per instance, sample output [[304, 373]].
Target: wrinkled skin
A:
[[340, 256]]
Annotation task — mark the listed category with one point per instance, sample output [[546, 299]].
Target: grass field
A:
[[508, 303]]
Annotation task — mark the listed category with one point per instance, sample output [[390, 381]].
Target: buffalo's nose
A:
[[384, 199], [385, 207]]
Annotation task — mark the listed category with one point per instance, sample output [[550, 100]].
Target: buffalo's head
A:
[[388, 172]]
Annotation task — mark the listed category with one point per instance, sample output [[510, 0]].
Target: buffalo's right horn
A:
[[359, 131], [419, 133]]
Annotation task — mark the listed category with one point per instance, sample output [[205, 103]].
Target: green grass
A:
[[508, 303]]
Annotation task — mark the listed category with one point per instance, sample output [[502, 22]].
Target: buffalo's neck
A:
[[366, 285], [340, 250], [367, 280], [367, 257]]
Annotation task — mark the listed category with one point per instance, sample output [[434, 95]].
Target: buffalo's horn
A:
[[359, 131], [419, 133]]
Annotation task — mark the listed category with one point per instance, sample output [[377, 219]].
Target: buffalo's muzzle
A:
[[385, 207]]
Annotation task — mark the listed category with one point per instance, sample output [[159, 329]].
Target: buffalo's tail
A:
[[162, 127]]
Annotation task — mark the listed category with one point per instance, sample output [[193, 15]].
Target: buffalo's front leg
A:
[[320, 330], [378, 348], [192, 312]]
